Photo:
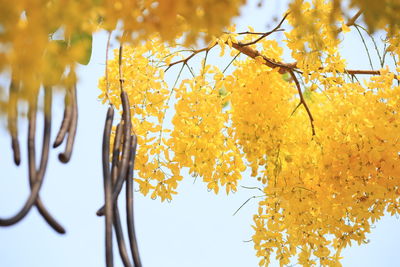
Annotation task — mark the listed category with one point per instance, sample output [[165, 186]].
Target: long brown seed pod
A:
[[108, 186], [126, 115], [116, 219], [126, 119], [120, 238], [39, 174], [13, 121], [66, 156], [38, 182], [129, 206], [66, 122], [116, 152]]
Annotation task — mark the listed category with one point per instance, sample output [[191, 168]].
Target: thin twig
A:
[[302, 100], [366, 47], [241, 206], [381, 60], [253, 188], [268, 33], [298, 105], [254, 33], [194, 52], [230, 63]]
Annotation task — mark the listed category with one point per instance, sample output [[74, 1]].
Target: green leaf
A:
[[286, 77], [307, 94], [83, 42], [222, 92]]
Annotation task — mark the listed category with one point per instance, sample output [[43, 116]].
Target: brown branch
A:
[[283, 67], [351, 21], [248, 51], [354, 18], [194, 52], [243, 45], [302, 100], [255, 33], [268, 33], [287, 67]]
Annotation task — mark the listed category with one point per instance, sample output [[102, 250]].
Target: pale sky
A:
[[196, 229]]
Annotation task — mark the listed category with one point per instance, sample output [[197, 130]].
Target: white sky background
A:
[[196, 229]]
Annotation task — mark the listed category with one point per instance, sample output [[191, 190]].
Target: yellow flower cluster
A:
[[313, 40], [201, 139], [324, 192], [148, 94], [261, 104]]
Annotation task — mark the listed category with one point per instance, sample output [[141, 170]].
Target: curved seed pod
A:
[[126, 118], [120, 238], [49, 218], [117, 221], [35, 175], [38, 182], [108, 186], [129, 206], [66, 156], [66, 122], [13, 121], [116, 152], [126, 115]]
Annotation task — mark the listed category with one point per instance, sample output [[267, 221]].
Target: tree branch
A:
[[302, 100], [268, 33], [194, 52]]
